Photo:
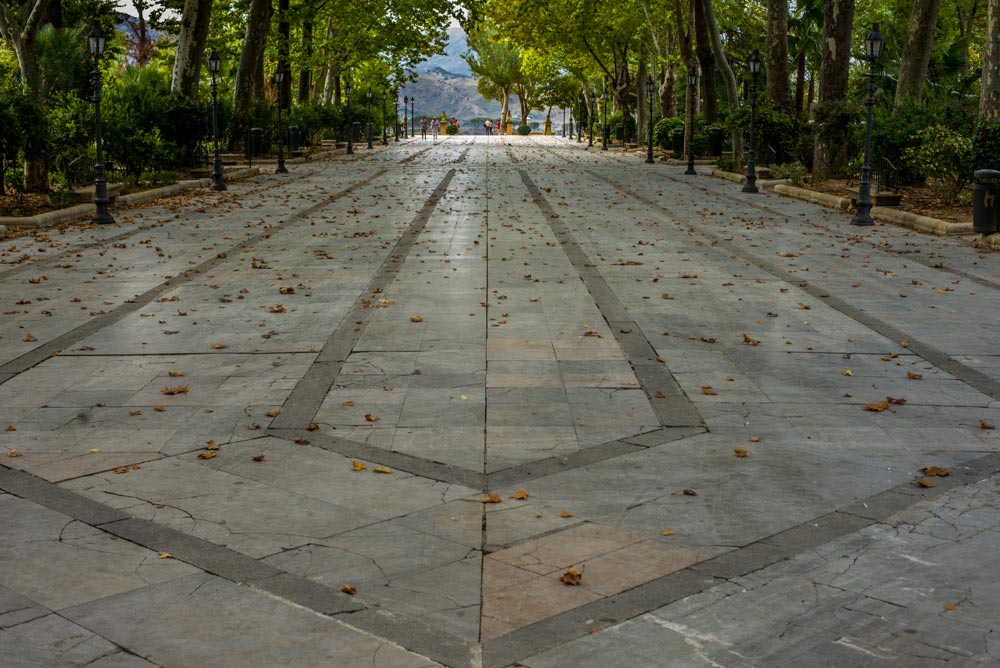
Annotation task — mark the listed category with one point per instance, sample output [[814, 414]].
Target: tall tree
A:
[[989, 98], [19, 25], [195, 21], [831, 152], [917, 52], [706, 59], [732, 91], [249, 75], [776, 55], [497, 65]]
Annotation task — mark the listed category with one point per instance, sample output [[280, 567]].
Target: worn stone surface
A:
[[593, 340]]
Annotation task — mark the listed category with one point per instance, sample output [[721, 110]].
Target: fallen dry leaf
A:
[[755, 439], [660, 395], [949, 607], [11, 427], [286, 290], [983, 424], [935, 471], [707, 389], [219, 346], [301, 441], [134, 413], [571, 577], [312, 426], [924, 483], [277, 308], [28, 338], [382, 469], [566, 515], [159, 409], [259, 458], [416, 318], [349, 590], [520, 495], [358, 466], [847, 372], [877, 406], [689, 492], [176, 374], [666, 532], [275, 413], [14, 453], [371, 417], [740, 452], [164, 555], [170, 391], [914, 376], [492, 497], [347, 403], [749, 341], [211, 454]]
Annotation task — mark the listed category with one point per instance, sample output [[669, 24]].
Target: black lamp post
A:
[[279, 80], [571, 123], [564, 124], [649, 119], [874, 43], [406, 108], [385, 126], [350, 124], [590, 114], [96, 43], [579, 124], [604, 117], [214, 67], [753, 64], [368, 123], [395, 114], [693, 85], [413, 116]]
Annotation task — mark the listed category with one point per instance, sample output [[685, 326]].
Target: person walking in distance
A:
[[435, 127], [423, 128]]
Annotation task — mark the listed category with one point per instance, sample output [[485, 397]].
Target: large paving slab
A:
[[372, 415]]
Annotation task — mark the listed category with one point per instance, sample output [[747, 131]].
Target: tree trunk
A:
[[706, 58], [776, 55], [305, 74], [917, 52], [800, 82], [195, 21], [251, 58], [641, 115], [668, 92], [831, 142], [989, 99], [284, 48], [812, 95], [732, 90]]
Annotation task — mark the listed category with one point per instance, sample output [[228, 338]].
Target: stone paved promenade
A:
[[376, 411]]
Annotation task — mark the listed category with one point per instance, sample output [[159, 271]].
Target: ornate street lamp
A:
[[753, 64], [350, 124], [649, 120], [368, 125], [579, 125], [590, 114], [413, 116], [95, 44], [571, 123], [214, 67], [874, 43], [406, 106], [385, 126], [693, 85], [604, 116], [279, 80], [395, 114]]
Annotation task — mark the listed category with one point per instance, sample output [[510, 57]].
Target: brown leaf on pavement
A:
[[492, 497], [176, 374], [382, 469], [924, 483], [164, 555], [170, 391], [935, 471], [571, 577], [301, 441], [749, 341], [520, 495], [211, 454], [312, 426], [689, 492], [740, 452], [416, 318], [666, 532], [358, 466], [371, 417], [277, 308], [14, 453], [566, 514], [259, 458], [707, 390], [983, 424], [349, 590], [219, 346], [877, 406], [914, 376]]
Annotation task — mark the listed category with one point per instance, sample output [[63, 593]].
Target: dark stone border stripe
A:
[[531, 640], [673, 408], [975, 379], [305, 400], [223, 562], [74, 336]]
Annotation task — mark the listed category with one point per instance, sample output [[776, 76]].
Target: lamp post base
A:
[[690, 171], [281, 169], [102, 218], [863, 219]]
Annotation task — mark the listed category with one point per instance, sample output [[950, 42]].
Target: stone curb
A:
[[763, 184], [51, 218], [823, 199], [987, 241]]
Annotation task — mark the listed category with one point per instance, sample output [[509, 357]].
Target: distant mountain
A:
[[440, 91], [452, 60]]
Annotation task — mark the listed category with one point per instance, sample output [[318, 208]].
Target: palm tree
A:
[[805, 34]]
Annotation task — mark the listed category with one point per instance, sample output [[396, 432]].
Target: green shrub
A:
[[945, 155], [664, 129], [451, 129], [727, 164], [71, 138], [793, 171], [772, 128], [159, 178], [627, 123], [986, 151], [524, 129]]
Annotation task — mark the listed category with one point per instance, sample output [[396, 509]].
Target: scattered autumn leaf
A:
[[14, 453], [28, 338], [219, 346], [164, 555], [520, 495], [666, 532], [804, 306], [924, 483], [259, 458], [949, 607], [371, 417], [740, 452], [350, 590], [347, 403], [312, 426], [660, 395], [159, 409], [665, 295], [707, 389], [134, 413], [382, 469], [566, 515], [286, 290], [877, 406], [755, 439], [935, 471], [301, 441], [178, 389], [277, 308], [689, 492], [492, 497], [11, 427], [416, 318], [358, 466], [914, 376], [571, 577], [847, 372], [274, 413], [211, 454], [750, 341], [983, 424], [176, 374]]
